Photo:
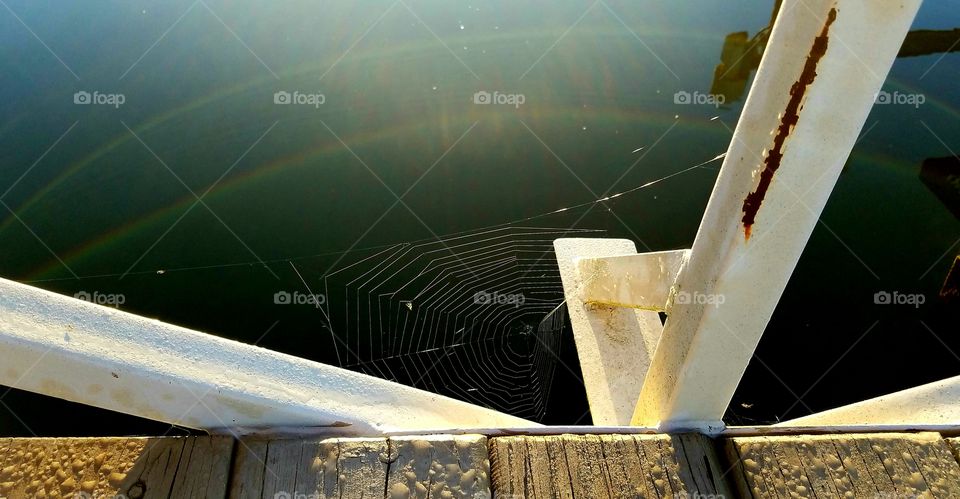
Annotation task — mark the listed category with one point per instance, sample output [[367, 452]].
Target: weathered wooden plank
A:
[[249, 468], [653, 462], [744, 464], [856, 469], [281, 466], [796, 481], [700, 467], [558, 467], [439, 466], [646, 465], [672, 462], [895, 467], [912, 470], [104, 467], [862, 465], [508, 464], [541, 485], [771, 468], [616, 466], [878, 472], [821, 480], [945, 473], [585, 458], [937, 466], [842, 481], [954, 444], [422, 466], [622, 462], [362, 467], [208, 459]]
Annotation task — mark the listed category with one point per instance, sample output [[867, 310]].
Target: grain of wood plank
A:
[[646, 467], [744, 457], [672, 460], [559, 469], [623, 463], [914, 471], [878, 472], [104, 467], [423, 466], [954, 444], [438, 466], [819, 475], [856, 469], [209, 462], [947, 475], [796, 481], [362, 467], [842, 481], [599, 466], [770, 467], [892, 461], [586, 476], [662, 466], [541, 483], [937, 462], [282, 463], [508, 462], [312, 469], [653, 461], [249, 468], [849, 465], [701, 460]]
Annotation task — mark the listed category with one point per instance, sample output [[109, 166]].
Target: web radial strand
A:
[[477, 316]]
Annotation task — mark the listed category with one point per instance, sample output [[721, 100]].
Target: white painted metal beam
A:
[[936, 403], [99, 356], [640, 281], [824, 63], [614, 344]]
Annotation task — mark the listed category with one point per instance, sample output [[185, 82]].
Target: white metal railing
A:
[[75, 350], [824, 63], [932, 404]]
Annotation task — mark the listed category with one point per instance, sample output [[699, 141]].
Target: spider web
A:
[[477, 316]]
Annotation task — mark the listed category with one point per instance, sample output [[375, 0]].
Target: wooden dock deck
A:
[[473, 466]]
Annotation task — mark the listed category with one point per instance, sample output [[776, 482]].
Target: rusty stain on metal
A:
[[751, 205]]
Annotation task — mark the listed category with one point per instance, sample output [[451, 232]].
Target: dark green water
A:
[[110, 203]]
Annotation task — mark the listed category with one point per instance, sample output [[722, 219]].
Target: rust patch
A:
[[751, 205]]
